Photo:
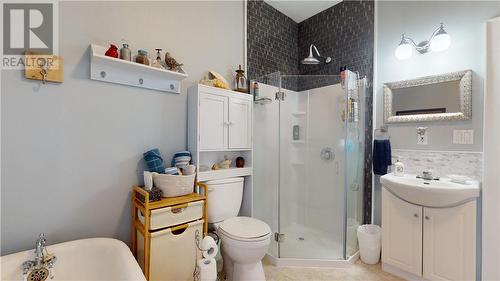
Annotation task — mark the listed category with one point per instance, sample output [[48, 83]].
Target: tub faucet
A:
[[43, 260], [40, 246]]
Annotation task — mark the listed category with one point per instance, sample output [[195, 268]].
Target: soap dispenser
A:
[[399, 169]]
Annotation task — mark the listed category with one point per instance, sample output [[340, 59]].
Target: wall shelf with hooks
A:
[[108, 69]]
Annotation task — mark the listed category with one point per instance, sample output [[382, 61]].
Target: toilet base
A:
[[244, 272]]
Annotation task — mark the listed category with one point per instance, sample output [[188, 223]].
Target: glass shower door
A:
[[354, 151], [311, 172]]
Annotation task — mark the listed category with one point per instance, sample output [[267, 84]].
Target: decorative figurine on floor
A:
[[224, 164], [172, 63], [240, 162]]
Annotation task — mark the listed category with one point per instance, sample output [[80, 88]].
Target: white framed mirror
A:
[[432, 98]]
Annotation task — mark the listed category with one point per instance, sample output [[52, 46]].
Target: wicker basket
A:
[[174, 185]]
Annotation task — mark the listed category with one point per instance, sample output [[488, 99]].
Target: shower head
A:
[[311, 59]]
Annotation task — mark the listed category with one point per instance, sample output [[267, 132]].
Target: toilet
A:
[[245, 240]]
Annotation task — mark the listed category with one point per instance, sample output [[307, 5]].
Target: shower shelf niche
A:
[[297, 141]]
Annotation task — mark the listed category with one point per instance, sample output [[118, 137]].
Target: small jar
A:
[[125, 53], [142, 57]]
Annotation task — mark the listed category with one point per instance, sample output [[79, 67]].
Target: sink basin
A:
[[430, 193]]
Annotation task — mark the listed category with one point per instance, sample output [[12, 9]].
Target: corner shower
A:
[[308, 159]]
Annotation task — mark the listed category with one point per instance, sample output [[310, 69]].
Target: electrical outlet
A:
[[423, 138]]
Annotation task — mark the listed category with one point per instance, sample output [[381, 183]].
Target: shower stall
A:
[[308, 165]]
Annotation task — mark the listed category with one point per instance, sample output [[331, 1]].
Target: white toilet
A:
[[245, 240]]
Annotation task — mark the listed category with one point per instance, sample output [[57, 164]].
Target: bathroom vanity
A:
[[429, 228]]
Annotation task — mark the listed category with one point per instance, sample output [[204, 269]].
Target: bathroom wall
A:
[[72, 151], [491, 183], [271, 41], [464, 21]]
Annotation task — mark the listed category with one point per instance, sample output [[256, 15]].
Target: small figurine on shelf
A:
[[224, 164], [240, 162], [172, 63], [240, 81], [157, 62], [112, 51]]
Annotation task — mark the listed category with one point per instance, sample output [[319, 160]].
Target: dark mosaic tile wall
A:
[[345, 32], [272, 42]]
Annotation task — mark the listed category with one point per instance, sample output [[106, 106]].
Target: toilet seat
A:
[[245, 229]]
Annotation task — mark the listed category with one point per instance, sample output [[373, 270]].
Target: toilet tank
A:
[[224, 198]]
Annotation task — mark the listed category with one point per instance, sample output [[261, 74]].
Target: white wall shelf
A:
[[224, 173], [297, 142], [113, 70]]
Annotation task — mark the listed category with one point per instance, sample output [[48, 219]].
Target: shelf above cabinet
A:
[[113, 70], [299, 113], [224, 173]]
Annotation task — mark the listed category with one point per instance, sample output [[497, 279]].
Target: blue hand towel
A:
[[154, 161], [381, 156]]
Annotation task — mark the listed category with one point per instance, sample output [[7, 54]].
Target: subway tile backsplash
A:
[[442, 163]]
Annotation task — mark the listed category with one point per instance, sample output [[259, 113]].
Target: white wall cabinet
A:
[[220, 124], [430, 243], [224, 118], [213, 121]]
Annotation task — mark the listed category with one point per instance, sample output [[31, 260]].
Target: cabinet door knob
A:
[[415, 215], [427, 218]]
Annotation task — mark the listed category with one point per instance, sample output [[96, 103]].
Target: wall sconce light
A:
[[440, 40]]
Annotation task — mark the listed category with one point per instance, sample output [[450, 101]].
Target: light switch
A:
[[468, 136], [463, 136], [458, 137]]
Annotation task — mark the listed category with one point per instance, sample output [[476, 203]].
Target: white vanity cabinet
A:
[[401, 234], [223, 118], [428, 243]]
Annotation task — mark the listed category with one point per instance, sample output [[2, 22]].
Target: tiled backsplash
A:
[[442, 163]]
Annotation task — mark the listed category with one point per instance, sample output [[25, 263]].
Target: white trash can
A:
[[369, 237]]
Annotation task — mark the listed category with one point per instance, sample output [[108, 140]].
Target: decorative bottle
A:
[[399, 169]]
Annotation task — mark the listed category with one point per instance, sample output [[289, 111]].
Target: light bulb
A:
[[441, 42], [403, 51]]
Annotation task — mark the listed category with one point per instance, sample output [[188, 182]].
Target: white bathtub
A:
[[86, 259]]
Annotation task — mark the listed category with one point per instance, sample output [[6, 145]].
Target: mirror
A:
[[431, 98]]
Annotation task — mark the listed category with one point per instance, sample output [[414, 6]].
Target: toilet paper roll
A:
[[207, 269], [209, 247]]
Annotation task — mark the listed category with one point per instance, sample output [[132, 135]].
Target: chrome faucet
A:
[[427, 175], [43, 260], [40, 246]]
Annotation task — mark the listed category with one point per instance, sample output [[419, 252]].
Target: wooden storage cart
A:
[[146, 225]]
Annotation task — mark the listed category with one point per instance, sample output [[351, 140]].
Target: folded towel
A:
[[154, 161], [184, 155], [381, 156]]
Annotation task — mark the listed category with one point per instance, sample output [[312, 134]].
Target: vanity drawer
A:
[[174, 215]]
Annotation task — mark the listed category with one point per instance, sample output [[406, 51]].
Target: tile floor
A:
[[358, 271]]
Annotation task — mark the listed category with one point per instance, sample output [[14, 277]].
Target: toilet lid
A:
[[245, 227]]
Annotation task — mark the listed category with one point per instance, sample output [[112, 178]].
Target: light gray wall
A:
[[464, 21], [71, 152]]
